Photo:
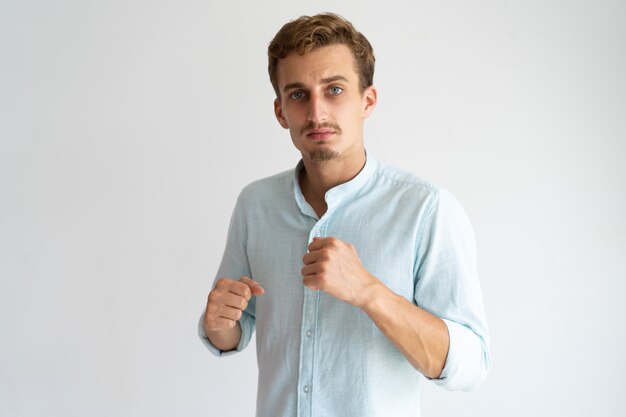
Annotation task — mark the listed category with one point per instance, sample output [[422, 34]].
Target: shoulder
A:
[[412, 189], [397, 180], [269, 188]]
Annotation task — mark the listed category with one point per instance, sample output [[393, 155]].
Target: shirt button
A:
[[308, 333], [306, 389]]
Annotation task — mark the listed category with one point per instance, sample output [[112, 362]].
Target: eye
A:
[[335, 91], [296, 95]]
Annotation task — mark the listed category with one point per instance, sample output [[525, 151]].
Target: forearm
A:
[[226, 339], [421, 337]]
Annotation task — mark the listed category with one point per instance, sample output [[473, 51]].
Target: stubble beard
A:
[[323, 155]]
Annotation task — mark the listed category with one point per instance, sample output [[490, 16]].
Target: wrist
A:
[[371, 294], [225, 339]]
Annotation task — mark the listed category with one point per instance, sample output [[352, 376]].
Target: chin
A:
[[323, 154]]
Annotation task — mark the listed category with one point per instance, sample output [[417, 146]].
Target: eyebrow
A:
[[334, 78], [323, 81]]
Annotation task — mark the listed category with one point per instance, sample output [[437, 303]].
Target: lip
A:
[[320, 134]]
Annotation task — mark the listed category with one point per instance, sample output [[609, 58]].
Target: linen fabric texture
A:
[[319, 356]]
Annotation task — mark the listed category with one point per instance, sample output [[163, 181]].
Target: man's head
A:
[[308, 33], [322, 71]]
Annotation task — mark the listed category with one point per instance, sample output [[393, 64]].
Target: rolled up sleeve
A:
[[446, 285], [247, 330], [234, 265]]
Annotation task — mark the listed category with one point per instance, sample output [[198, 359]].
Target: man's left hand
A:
[[333, 266]]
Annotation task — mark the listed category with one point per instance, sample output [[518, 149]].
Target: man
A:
[[359, 278]]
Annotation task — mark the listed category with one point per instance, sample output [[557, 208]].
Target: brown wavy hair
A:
[[310, 32]]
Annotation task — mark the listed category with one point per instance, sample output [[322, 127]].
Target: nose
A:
[[317, 109]]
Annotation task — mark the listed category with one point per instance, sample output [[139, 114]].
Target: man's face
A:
[[321, 104]]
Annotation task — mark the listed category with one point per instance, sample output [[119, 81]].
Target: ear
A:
[[370, 98], [278, 112]]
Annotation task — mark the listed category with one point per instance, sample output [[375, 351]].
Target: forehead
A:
[[314, 66]]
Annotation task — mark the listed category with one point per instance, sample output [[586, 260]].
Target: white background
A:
[[128, 128]]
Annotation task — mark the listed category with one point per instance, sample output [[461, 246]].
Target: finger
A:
[[235, 301], [220, 323], [312, 257], [310, 270], [254, 286], [224, 283], [240, 289], [230, 313], [311, 282], [220, 319], [318, 243]]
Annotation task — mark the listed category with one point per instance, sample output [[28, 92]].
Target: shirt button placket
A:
[[307, 347]]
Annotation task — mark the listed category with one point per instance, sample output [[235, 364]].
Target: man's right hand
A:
[[227, 302]]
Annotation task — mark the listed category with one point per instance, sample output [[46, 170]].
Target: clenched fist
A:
[[227, 302], [334, 267]]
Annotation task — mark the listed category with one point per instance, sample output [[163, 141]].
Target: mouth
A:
[[320, 134]]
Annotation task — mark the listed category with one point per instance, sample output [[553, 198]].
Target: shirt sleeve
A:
[[234, 265], [447, 286]]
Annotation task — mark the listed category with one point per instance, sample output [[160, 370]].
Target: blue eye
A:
[[335, 91], [297, 95]]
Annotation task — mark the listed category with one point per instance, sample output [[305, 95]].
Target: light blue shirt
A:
[[321, 357]]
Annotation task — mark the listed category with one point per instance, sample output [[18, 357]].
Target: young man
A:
[[359, 278]]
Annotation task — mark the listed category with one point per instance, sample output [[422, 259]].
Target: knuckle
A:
[[241, 288], [247, 293], [213, 297]]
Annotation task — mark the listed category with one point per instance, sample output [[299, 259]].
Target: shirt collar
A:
[[337, 194]]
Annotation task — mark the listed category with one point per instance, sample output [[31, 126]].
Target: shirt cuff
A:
[[246, 334], [467, 362]]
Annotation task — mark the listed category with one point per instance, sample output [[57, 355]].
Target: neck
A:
[[318, 177]]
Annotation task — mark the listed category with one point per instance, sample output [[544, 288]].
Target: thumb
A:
[[255, 287]]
